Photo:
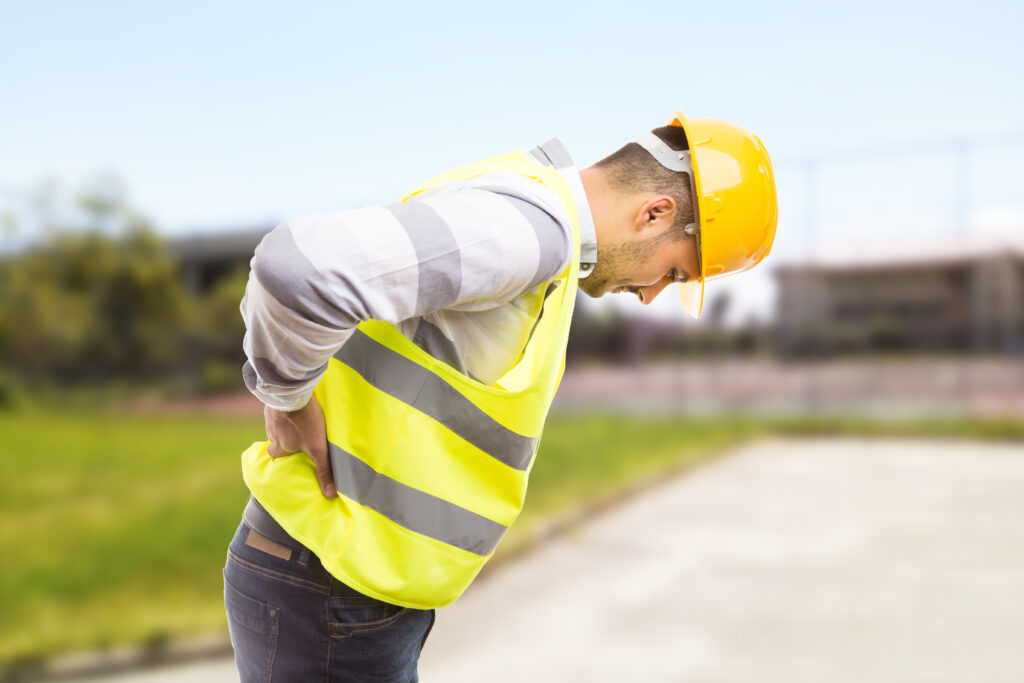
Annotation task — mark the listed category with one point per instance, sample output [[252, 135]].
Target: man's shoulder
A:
[[510, 233]]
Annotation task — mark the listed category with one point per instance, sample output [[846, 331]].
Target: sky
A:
[[891, 126]]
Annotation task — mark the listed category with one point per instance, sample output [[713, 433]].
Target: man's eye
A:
[[676, 277]]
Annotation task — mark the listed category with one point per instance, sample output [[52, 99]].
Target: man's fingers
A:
[[295, 431], [325, 475], [327, 485], [276, 450], [326, 481]]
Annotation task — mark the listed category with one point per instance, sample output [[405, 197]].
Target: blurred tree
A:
[[97, 297], [8, 229], [218, 329], [84, 306]]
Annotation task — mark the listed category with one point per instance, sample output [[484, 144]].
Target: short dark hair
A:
[[633, 169]]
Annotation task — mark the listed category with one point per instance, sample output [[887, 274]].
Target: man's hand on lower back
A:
[[303, 430]]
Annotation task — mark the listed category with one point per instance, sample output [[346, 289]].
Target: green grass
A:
[[113, 528]]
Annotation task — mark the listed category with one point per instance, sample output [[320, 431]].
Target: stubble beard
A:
[[614, 268]]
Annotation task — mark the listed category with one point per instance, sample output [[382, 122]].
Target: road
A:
[[803, 561]]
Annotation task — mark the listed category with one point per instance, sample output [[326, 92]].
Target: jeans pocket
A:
[[352, 614], [373, 640], [253, 627]]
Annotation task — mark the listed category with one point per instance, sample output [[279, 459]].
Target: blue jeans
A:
[[290, 620]]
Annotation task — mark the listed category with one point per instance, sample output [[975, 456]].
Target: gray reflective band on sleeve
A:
[[555, 245], [266, 370], [437, 252], [411, 508], [286, 273], [397, 376], [673, 160]]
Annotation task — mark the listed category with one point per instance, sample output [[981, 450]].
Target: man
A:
[[412, 352]]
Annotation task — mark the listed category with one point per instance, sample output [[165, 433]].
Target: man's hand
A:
[[302, 430]]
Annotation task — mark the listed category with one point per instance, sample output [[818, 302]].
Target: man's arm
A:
[[313, 280]]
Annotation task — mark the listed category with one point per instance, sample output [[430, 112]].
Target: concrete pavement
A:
[[807, 561], [823, 561]]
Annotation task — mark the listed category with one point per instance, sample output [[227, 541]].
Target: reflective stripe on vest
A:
[[412, 508], [418, 387], [431, 466]]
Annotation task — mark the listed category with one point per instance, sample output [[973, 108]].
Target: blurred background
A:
[[146, 149]]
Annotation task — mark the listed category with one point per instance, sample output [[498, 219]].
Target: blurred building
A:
[[966, 302], [204, 259]]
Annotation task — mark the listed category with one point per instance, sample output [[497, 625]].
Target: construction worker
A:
[[407, 356]]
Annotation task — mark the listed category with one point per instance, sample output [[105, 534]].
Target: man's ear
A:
[[657, 212]]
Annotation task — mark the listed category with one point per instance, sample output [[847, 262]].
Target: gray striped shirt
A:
[[461, 270]]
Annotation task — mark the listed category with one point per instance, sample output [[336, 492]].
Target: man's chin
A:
[[590, 291]]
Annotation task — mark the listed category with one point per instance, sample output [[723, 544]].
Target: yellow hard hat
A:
[[736, 207]]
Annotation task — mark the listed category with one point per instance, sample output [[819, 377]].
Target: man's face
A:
[[643, 266]]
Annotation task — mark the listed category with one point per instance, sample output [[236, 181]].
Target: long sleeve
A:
[[470, 246]]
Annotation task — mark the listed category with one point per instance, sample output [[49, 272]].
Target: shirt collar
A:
[[551, 152]]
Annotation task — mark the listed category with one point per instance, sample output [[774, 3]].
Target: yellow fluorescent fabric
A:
[[399, 454], [438, 462], [385, 562]]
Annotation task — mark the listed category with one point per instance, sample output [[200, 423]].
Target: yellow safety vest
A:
[[431, 466]]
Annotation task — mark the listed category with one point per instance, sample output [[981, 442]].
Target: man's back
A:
[[461, 270]]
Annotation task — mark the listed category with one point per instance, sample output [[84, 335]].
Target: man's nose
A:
[[648, 293]]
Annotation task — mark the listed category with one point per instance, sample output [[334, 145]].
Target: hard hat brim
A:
[[691, 294]]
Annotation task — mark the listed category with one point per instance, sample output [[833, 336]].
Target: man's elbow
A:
[[285, 273]]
